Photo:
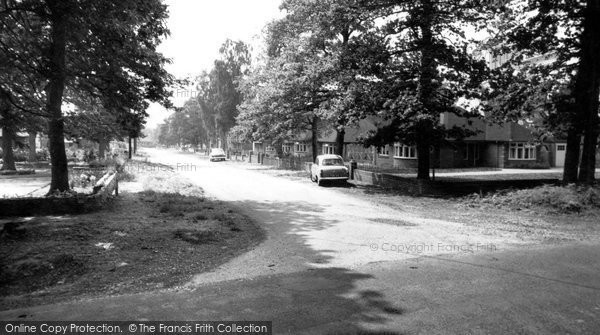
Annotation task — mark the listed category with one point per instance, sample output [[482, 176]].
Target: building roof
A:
[[506, 132]]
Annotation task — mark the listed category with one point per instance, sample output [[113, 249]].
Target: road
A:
[[337, 264]]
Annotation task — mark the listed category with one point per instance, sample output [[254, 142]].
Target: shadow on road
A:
[[321, 298]]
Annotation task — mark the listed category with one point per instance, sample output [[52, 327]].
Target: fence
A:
[[288, 163], [378, 169]]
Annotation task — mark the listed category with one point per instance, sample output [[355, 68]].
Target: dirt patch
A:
[[528, 224], [154, 239]]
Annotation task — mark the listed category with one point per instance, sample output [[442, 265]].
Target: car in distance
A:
[[216, 154], [328, 167]]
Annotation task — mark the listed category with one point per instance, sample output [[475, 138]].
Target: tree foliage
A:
[[405, 62], [553, 75], [81, 50], [313, 78], [212, 112]]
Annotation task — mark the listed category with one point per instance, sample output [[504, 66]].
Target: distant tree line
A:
[[208, 116]]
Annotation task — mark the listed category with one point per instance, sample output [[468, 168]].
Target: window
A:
[[405, 151], [383, 151], [286, 148], [561, 147], [471, 151], [328, 149], [332, 162], [300, 147], [269, 148], [521, 151]]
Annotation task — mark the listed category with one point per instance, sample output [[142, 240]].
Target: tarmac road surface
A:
[[335, 264]]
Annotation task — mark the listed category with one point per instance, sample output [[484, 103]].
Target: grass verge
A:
[[156, 238]]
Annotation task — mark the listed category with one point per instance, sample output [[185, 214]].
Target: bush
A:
[[532, 165], [21, 155], [42, 154], [84, 179]]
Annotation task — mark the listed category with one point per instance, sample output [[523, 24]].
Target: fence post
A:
[[353, 166]]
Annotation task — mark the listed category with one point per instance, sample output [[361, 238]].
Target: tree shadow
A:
[[323, 298], [315, 298]]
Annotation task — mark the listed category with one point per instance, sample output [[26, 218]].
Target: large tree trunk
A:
[[55, 89], [339, 141], [587, 170], [279, 148], [102, 144], [224, 143], [428, 71], [314, 127], [8, 158], [423, 145], [572, 156], [32, 148], [587, 89]]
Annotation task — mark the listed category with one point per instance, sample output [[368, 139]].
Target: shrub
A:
[[87, 178], [42, 154], [21, 155]]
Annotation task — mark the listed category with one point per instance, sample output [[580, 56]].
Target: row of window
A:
[[516, 151], [523, 151], [301, 147], [400, 151], [287, 148]]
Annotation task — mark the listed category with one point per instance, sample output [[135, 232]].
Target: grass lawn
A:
[[159, 232]]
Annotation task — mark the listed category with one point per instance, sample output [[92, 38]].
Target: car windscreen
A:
[[333, 161]]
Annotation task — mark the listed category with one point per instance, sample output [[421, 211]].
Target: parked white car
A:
[[217, 154], [328, 167]]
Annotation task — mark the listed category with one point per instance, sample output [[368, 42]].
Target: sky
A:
[[199, 27]]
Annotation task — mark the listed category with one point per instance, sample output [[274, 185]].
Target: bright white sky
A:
[[199, 27]]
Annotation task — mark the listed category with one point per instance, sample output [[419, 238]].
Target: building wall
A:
[[540, 161], [404, 163], [493, 155]]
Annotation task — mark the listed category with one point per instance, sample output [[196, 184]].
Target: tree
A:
[[284, 96], [224, 77], [563, 91], [95, 124], [587, 88], [8, 133], [111, 54], [429, 72], [336, 32], [21, 106]]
